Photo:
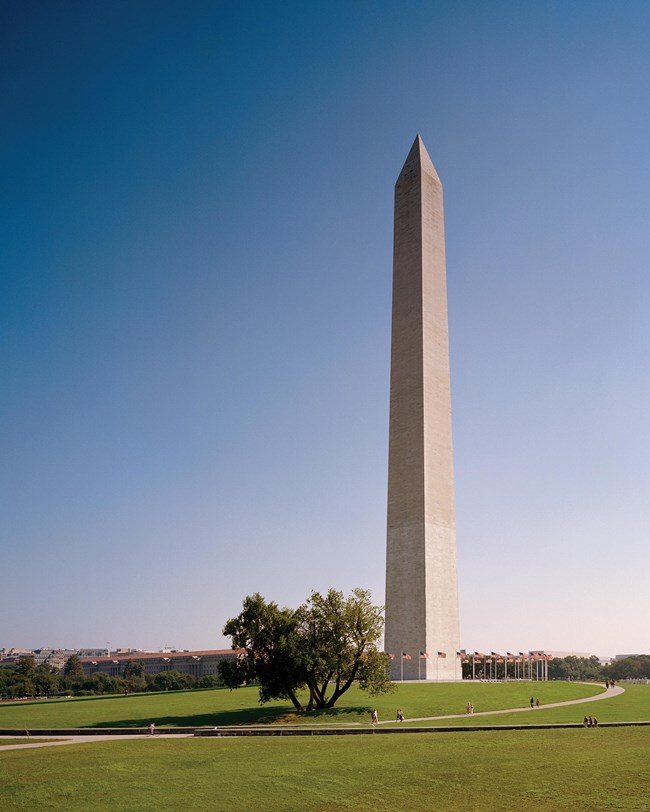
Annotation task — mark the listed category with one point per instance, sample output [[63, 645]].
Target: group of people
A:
[[609, 683], [590, 721], [534, 703], [374, 716]]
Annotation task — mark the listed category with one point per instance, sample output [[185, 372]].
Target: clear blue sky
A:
[[195, 260]]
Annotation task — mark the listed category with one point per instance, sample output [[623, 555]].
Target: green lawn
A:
[[224, 707], [576, 770], [631, 706]]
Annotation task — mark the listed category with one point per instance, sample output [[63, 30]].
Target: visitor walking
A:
[[152, 728], [374, 717]]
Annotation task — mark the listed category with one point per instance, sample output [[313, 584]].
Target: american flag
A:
[[442, 654], [424, 655], [406, 656]]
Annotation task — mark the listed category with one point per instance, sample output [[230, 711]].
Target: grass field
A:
[[224, 707], [550, 770], [577, 770], [632, 706]]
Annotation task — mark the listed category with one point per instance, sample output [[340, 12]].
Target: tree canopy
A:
[[571, 667], [634, 667], [73, 667], [325, 646]]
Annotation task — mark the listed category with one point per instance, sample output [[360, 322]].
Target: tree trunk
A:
[[295, 701]]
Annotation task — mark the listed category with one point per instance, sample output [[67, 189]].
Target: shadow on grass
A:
[[244, 716], [24, 703]]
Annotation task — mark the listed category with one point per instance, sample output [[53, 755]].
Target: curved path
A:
[[608, 694], [23, 743]]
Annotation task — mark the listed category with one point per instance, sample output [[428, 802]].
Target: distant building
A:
[[196, 663], [14, 653], [52, 657], [9, 656]]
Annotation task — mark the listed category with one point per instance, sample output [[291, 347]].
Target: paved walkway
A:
[[608, 694], [23, 742]]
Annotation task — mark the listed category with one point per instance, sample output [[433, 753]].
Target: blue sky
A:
[[195, 272]]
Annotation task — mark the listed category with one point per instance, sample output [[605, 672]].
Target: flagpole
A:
[[401, 666]]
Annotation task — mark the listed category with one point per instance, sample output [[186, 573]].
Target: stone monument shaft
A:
[[421, 579]]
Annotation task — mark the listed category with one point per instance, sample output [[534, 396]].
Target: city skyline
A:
[[195, 292]]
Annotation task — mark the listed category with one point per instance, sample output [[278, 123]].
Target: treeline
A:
[[637, 667], [569, 668], [590, 669], [28, 679], [580, 668]]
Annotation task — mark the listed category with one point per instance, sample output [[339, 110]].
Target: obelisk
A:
[[422, 632]]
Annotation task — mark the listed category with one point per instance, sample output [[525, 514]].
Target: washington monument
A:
[[422, 631]]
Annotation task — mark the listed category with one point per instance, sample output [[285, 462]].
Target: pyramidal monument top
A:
[[418, 160]]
